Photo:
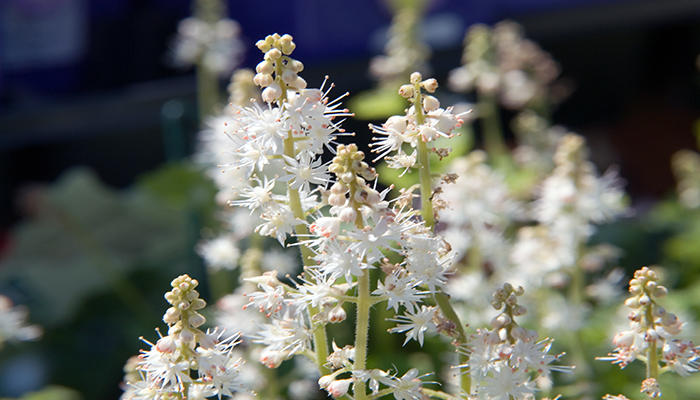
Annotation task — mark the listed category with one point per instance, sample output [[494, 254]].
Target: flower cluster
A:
[[165, 370], [652, 334], [424, 121], [568, 204], [214, 45], [501, 62], [13, 323], [503, 361], [404, 51]]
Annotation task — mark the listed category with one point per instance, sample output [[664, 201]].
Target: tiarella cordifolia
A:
[[653, 335], [187, 362], [505, 361]]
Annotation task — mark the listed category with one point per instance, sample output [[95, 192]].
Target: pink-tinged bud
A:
[[428, 133], [644, 300], [271, 358], [669, 319], [430, 103], [347, 214], [632, 302], [339, 188], [186, 335], [339, 387], [406, 91], [430, 85], [658, 311], [336, 200], [172, 316], [660, 292], [651, 335], [624, 339], [289, 77], [272, 93], [197, 319], [324, 381], [166, 344], [328, 227], [337, 314]]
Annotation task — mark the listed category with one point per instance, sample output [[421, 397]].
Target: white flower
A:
[[408, 387], [415, 323], [255, 196], [269, 301], [220, 252], [504, 382], [400, 289], [304, 172], [13, 323]]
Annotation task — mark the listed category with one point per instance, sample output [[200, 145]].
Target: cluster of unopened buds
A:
[[277, 50], [651, 334], [351, 191]]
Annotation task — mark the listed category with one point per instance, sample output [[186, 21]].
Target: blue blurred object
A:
[[59, 46]]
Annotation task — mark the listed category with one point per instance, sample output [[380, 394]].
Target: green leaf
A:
[[85, 238], [377, 104]]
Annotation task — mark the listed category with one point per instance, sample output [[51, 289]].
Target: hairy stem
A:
[[426, 192]]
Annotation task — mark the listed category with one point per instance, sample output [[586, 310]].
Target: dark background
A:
[[632, 62]]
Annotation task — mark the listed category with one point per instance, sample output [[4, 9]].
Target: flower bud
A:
[[263, 80], [289, 76], [347, 214], [428, 133], [660, 292], [186, 335], [197, 320], [272, 93], [644, 300], [166, 344], [265, 67], [337, 314], [263, 46], [299, 83], [430, 85], [324, 381], [339, 387], [273, 54], [406, 91], [430, 103], [416, 77], [632, 302]]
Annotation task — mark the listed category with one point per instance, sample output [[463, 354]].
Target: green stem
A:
[[439, 394], [491, 123], [426, 182], [426, 191], [364, 302], [652, 354]]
